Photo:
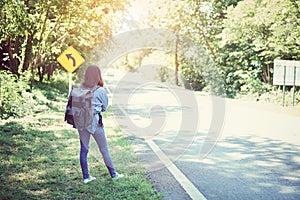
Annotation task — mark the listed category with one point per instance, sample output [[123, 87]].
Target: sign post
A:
[[286, 74], [70, 82], [70, 59], [294, 85], [284, 79]]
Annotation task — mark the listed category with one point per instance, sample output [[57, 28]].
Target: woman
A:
[[94, 81]]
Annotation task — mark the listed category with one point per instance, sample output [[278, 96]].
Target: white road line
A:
[[187, 185]]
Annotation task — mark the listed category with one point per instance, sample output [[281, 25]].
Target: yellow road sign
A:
[[70, 59]]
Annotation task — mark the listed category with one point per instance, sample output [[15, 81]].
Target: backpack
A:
[[80, 110]]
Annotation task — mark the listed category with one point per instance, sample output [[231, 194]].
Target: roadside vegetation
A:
[[242, 37], [39, 153]]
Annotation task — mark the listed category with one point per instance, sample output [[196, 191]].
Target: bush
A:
[[163, 74], [57, 87], [15, 99], [18, 100], [59, 81], [193, 77], [276, 94]]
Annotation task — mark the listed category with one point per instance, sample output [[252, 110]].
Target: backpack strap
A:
[[93, 89]]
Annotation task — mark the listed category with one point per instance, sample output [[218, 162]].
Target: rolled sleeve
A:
[[100, 100]]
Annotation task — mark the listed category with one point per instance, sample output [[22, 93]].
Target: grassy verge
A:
[[40, 160]]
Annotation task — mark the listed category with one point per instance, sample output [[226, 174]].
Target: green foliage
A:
[[15, 99], [163, 74], [243, 37], [275, 95], [254, 34], [13, 19], [39, 160], [193, 77], [35, 33], [18, 100], [56, 88]]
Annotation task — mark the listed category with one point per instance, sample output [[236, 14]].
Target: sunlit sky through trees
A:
[[135, 15]]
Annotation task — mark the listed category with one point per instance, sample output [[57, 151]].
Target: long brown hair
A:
[[92, 77]]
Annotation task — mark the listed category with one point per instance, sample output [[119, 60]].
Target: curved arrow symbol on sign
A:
[[69, 56]]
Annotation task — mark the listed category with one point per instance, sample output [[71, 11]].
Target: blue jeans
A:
[[100, 139]]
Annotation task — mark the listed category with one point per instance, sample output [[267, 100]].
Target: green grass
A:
[[40, 160]]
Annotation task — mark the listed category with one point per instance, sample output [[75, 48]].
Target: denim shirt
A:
[[100, 100], [100, 103]]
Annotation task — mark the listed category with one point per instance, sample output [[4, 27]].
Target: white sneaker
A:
[[89, 179], [118, 176]]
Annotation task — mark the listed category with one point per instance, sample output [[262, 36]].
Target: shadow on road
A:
[[247, 167]]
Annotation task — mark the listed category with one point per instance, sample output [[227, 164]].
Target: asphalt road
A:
[[255, 155]]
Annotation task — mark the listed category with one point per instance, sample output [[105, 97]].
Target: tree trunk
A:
[[40, 68], [176, 60], [50, 71], [28, 53], [13, 62], [266, 74]]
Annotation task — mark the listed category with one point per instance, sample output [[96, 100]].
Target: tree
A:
[[255, 33], [13, 31], [34, 33], [197, 20], [170, 15]]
